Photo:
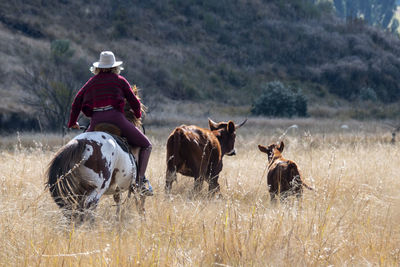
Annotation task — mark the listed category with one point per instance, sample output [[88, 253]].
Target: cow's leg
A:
[[274, 185], [299, 191], [202, 169], [297, 184], [273, 192], [214, 167], [170, 175], [198, 184], [273, 197], [213, 187]]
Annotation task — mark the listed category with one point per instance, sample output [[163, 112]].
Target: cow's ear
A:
[[281, 146], [231, 127], [263, 149], [213, 125]]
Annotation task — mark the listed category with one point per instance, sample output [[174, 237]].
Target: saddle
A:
[[115, 132]]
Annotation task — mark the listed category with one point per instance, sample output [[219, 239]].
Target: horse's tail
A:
[[66, 187]]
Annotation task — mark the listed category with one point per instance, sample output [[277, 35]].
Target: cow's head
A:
[[226, 134], [273, 150]]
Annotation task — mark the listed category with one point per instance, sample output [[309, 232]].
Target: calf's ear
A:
[[231, 127], [281, 146], [262, 149]]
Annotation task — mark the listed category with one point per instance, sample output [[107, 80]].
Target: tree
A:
[[374, 12], [340, 8], [61, 51], [50, 95], [278, 100], [51, 87]]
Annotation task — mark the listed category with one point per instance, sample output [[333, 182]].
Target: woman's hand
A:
[[75, 126], [138, 113]]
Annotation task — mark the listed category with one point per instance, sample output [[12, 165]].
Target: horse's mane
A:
[[129, 114]]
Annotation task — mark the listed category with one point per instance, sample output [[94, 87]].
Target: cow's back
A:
[[282, 175], [186, 148]]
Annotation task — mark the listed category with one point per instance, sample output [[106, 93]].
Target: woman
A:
[[103, 98]]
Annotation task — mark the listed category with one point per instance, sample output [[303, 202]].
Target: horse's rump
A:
[[66, 188]]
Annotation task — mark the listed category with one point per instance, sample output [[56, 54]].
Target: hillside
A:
[[222, 51]]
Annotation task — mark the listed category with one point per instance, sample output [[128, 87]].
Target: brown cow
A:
[[197, 152], [283, 175]]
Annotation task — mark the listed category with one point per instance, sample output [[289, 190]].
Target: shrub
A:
[[367, 94], [50, 94], [61, 50], [181, 89], [278, 100]]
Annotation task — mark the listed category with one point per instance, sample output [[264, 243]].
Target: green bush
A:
[[367, 94], [278, 100], [61, 50]]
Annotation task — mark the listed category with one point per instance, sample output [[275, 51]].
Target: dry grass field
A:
[[351, 219]]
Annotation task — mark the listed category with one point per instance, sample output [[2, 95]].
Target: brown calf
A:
[[283, 175], [197, 152]]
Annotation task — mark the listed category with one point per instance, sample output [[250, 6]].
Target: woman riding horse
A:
[[103, 98]]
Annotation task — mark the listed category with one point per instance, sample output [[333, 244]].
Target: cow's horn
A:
[[213, 124], [240, 125]]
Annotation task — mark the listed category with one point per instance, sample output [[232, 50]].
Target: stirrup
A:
[[146, 191], [143, 190]]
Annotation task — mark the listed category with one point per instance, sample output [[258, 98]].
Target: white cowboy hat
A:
[[107, 60]]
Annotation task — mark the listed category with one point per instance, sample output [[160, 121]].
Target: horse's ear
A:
[[281, 146]]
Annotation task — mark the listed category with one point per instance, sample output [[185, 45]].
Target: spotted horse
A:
[[91, 165]]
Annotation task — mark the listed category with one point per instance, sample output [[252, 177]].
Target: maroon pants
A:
[[128, 130]]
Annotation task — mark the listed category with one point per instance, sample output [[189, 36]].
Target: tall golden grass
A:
[[351, 219]]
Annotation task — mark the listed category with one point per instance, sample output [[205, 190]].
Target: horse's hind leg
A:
[[139, 201], [117, 199], [90, 204]]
